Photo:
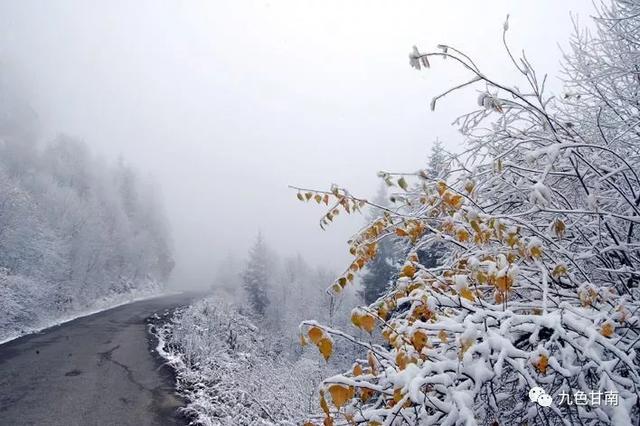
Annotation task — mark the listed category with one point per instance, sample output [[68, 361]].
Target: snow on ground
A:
[[232, 372], [44, 319]]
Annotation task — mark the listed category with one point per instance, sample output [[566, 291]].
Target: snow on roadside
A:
[[231, 372], [9, 332]]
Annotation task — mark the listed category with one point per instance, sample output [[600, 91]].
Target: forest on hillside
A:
[[76, 232]]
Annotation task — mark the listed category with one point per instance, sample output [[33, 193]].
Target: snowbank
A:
[[231, 372], [24, 314]]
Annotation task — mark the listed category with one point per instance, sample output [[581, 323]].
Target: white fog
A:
[[226, 103], [319, 213]]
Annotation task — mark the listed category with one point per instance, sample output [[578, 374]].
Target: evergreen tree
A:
[[256, 276], [380, 270], [437, 161], [437, 168]]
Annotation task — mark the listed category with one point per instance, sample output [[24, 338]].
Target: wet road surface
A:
[[96, 370]]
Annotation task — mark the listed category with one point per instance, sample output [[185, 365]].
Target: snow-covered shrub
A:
[[230, 373], [539, 286]]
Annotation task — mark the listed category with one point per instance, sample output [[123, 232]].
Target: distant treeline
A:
[[73, 228]]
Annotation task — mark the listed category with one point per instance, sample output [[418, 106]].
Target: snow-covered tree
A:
[[256, 276], [437, 163], [378, 273], [69, 235], [539, 284]]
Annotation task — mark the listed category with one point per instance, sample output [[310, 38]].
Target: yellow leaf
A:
[[607, 329], [536, 251], [408, 271], [542, 364], [419, 339], [512, 239], [318, 198], [462, 235], [467, 294], [368, 323], [315, 334], [387, 333], [442, 335], [300, 197], [357, 370], [365, 394], [326, 347], [342, 281], [559, 270], [503, 283], [397, 396], [465, 344], [421, 312], [383, 312], [308, 196], [456, 201], [341, 394], [401, 360], [559, 227], [303, 341], [373, 363], [401, 232], [356, 317]]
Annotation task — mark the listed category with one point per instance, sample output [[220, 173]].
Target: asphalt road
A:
[[96, 370]]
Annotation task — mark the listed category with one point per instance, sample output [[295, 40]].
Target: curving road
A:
[[96, 370]]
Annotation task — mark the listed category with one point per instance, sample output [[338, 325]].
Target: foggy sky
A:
[[225, 103]]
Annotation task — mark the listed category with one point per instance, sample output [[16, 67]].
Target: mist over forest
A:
[[223, 104], [74, 228], [320, 213]]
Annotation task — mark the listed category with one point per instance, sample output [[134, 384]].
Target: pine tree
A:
[[380, 270], [437, 167], [437, 161], [256, 276]]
